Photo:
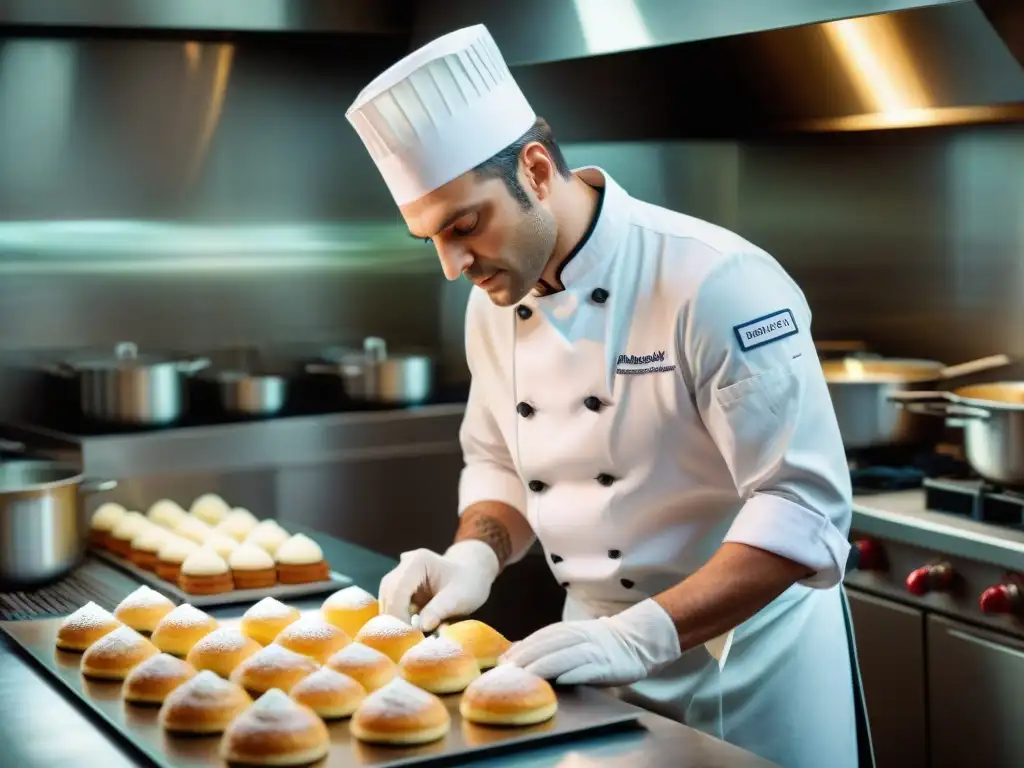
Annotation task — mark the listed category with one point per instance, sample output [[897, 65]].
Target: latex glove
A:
[[459, 581], [613, 650]]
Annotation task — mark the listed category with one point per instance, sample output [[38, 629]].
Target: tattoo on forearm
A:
[[491, 531]]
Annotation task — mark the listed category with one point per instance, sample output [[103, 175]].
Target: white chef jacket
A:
[[668, 400]]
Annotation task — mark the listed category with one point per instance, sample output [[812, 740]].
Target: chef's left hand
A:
[[615, 650]]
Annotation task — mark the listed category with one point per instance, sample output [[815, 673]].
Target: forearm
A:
[[732, 586], [499, 526]]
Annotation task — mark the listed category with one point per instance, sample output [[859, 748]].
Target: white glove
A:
[[614, 650], [460, 581]]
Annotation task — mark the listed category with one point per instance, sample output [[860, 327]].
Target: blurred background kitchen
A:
[[180, 176]]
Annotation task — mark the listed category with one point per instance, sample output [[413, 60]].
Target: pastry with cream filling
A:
[[143, 609], [221, 651], [238, 523], [152, 680], [171, 555], [312, 636], [166, 513], [193, 529], [300, 560], [400, 714], [203, 705], [268, 535], [439, 665], [209, 508], [182, 628], [204, 572], [146, 546], [508, 695], [273, 667], [126, 529], [275, 731], [367, 666], [103, 521], [84, 627], [330, 694], [115, 654], [252, 567], [221, 544]]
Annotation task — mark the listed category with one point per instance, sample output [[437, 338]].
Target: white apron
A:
[[669, 399]]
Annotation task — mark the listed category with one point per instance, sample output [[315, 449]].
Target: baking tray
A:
[[280, 591], [581, 712]]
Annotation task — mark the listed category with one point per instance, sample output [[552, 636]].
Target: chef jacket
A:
[[667, 400]]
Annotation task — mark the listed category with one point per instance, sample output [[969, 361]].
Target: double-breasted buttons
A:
[[536, 486], [614, 554], [524, 312], [564, 585], [626, 583], [599, 295], [592, 403], [557, 558], [605, 479], [525, 410]]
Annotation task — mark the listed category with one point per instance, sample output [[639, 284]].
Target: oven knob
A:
[[930, 578], [1002, 598], [870, 555]]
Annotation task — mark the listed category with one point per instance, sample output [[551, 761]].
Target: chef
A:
[[646, 402]]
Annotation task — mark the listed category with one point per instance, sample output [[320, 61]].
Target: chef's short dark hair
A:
[[505, 164]]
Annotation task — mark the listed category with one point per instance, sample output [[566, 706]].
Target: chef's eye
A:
[[466, 225]]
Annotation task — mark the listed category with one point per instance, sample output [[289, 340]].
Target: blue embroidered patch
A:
[[765, 330]]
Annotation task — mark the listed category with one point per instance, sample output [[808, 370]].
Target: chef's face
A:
[[482, 231]]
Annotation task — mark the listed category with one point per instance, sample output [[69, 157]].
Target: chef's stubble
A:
[[534, 242]]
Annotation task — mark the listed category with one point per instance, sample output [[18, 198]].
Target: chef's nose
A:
[[454, 259]]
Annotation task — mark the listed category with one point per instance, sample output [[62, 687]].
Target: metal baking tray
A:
[[280, 591], [581, 711]]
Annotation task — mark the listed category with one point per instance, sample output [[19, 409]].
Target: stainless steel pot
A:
[[375, 376], [246, 393], [992, 418], [44, 530], [861, 390], [133, 389]]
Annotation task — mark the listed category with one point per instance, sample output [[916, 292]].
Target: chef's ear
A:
[[539, 171]]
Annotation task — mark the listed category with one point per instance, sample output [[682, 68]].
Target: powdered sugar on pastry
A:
[[268, 609], [121, 640], [350, 598], [206, 689], [204, 562], [398, 698], [186, 615], [144, 597], [358, 655], [434, 648], [249, 557], [325, 679], [276, 656], [505, 679], [223, 640], [160, 667], [385, 625], [299, 550], [312, 627], [89, 616]]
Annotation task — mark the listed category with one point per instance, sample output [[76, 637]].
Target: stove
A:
[[889, 469], [976, 499]]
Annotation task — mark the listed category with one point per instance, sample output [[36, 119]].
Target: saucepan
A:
[[376, 376], [861, 390], [992, 418]]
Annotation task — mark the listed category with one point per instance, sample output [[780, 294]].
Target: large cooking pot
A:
[[134, 389], [992, 418], [43, 525], [860, 389], [248, 392], [375, 376]]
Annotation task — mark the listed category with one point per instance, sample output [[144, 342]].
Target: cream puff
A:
[[103, 521], [147, 544], [481, 640], [439, 665], [153, 680], [84, 627], [166, 513], [349, 609], [300, 560], [508, 695], [182, 628], [238, 523], [171, 555], [268, 535], [204, 572], [367, 666], [143, 609], [193, 529], [221, 544], [389, 635], [209, 508], [273, 667], [400, 714], [203, 705], [115, 654], [221, 651], [276, 731], [265, 620], [252, 567], [330, 694], [312, 636], [126, 529]]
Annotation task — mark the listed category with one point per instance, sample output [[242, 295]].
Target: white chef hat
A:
[[439, 112]]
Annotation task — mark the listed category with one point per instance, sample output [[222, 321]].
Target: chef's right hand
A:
[[458, 581]]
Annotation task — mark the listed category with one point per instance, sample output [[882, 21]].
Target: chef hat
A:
[[439, 112]]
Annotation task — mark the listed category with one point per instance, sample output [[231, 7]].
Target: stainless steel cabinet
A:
[[975, 680], [890, 648]]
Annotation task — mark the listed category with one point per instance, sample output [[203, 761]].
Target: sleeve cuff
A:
[[789, 530], [486, 482]]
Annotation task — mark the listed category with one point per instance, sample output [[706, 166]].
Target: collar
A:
[[602, 239]]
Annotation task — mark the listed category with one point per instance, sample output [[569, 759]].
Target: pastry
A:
[[221, 651], [238, 523], [166, 513], [312, 636], [124, 530], [268, 535], [182, 628], [204, 704], [264, 621], [349, 608], [300, 560], [330, 694], [171, 555], [275, 731], [252, 567], [115, 654], [439, 665], [209, 508], [221, 544], [367, 666], [273, 667], [147, 544], [400, 713], [193, 529], [204, 572], [481, 640], [152, 680], [389, 635], [103, 521], [143, 609], [508, 695], [84, 627]]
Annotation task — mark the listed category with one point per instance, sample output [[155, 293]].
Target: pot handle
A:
[[89, 487]]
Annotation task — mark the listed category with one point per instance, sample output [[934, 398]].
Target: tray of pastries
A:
[[212, 554], [336, 687]]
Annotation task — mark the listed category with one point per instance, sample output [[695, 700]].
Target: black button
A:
[[536, 486], [557, 558], [524, 312], [626, 583], [614, 554], [525, 410], [564, 585], [592, 403], [599, 295], [605, 479]]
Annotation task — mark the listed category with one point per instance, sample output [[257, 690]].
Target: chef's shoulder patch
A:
[[766, 329]]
